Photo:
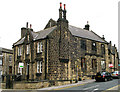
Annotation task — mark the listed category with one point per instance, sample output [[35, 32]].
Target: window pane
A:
[[83, 44], [38, 67], [41, 46], [10, 58], [28, 49], [38, 47], [0, 61]]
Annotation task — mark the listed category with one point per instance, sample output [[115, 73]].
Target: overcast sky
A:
[[101, 14]]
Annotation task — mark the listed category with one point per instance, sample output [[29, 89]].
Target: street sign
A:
[[21, 65], [110, 65]]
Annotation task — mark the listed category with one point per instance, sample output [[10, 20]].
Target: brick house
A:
[[60, 51]]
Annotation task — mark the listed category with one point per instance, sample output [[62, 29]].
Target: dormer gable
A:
[[50, 23]]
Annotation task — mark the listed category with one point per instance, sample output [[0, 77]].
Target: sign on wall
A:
[[21, 65], [110, 65]]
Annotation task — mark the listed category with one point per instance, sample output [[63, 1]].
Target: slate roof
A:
[[79, 32], [85, 34], [43, 33], [20, 41], [4, 50], [37, 35]]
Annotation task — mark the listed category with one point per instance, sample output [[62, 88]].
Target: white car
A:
[[116, 74]]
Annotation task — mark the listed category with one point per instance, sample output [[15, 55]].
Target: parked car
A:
[[103, 76], [116, 74]]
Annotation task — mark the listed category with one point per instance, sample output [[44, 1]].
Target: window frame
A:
[[39, 66], [1, 60], [102, 49], [94, 46], [10, 58], [19, 51], [39, 47], [94, 64], [83, 63], [83, 44], [28, 49]]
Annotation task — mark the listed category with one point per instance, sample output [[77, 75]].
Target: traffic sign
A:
[[110, 65]]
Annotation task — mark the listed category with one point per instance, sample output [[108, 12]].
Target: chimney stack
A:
[[103, 37]]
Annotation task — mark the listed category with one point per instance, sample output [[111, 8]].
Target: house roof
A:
[[79, 32], [20, 41], [43, 33], [4, 50], [85, 34]]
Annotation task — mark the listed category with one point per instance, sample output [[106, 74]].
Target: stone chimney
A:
[[25, 29], [62, 16]]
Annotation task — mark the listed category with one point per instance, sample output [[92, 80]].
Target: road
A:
[[91, 87], [88, 87]]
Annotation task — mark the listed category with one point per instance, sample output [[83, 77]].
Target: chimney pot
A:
[[30, 26], [27, 25], [64, 7], [60, 5]]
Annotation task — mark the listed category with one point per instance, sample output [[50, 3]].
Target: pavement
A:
[[68, 85]]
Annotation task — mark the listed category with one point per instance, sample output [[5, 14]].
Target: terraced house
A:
[[60, 52]]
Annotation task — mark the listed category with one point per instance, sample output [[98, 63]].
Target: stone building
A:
[[6, 61], [113, 56], [60, 52]]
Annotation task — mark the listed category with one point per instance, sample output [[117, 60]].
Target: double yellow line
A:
[[112, 88]]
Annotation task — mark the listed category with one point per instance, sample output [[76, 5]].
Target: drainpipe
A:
[[45, 59]]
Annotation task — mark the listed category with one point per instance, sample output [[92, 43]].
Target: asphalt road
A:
[[94, 86], [89, 87]]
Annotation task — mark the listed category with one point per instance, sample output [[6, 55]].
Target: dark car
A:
[[103, 76]]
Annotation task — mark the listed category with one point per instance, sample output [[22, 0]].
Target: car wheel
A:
[[105, 79], [96, 80]]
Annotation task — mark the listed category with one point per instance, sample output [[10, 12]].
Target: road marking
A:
[[111, 88], [90, 87], [94, 90]]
